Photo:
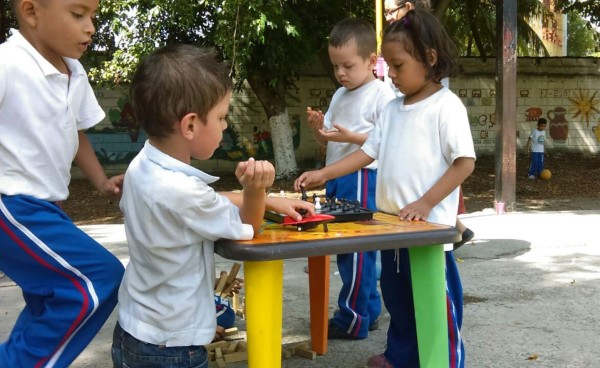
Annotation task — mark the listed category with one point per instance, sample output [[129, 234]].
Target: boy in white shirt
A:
[[180, 96], [535, 143], [354, 109], [69, 281]]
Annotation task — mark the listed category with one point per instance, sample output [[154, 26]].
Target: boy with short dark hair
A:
[[180, 96], [351, 116], [69, 281], [535, 144]]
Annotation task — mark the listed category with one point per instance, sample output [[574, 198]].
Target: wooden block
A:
[[298, 345], [221, 363], [231, 331], [233, 272], [305, 353], [236, 357], [232, 347], [242, 346], [211, 356], [214, 345], [234, 302], [221, 284], [286, 354], [218, 353]]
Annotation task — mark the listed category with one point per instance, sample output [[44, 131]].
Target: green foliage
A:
[[583, 40]]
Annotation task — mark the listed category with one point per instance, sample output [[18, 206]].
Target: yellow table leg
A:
[[427, 266], [263, 282]]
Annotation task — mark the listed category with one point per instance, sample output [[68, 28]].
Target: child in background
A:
[[354, 109], [425, 150], [69, 281], [535, 144], [180, 96]]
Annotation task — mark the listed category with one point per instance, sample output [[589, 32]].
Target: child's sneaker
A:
[[379, 361], [531, 177]]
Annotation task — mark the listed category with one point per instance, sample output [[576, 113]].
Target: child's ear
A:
[[431, 57], [187, 126], [27, 10], [373, 60]]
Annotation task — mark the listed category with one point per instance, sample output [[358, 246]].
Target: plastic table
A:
[[263, 279]]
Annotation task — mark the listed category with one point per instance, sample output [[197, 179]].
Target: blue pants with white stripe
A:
[[396, 287], [536, 163], [69, 283], [359, 301]]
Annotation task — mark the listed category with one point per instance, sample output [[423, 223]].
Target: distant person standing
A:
[[535, 144]]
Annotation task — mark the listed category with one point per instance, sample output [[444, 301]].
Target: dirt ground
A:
[[574, 185]]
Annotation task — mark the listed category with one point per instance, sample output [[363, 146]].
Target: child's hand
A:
[[255, 175], [416, 211], [339, 134], [309, 179], [290, 207], [315, 118], [112, 187], [219, 334]]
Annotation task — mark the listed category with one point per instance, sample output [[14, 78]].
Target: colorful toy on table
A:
[[307, 222]]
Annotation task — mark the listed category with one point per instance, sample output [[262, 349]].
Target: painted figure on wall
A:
[[559, 126]]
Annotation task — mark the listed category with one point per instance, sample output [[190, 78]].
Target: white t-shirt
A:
[[172, 218], [356, 110], [41, 111], [538, 137], [415, 145]]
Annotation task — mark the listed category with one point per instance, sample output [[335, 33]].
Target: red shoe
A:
[[379, 361]]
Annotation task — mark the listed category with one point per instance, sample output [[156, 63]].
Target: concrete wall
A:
[[565, 91]]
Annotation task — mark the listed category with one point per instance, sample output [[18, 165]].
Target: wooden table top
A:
[[384, 231]]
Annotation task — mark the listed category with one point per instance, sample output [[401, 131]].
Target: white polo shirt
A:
[[415, 145], [172, 218], [41, 111], [357, 110]]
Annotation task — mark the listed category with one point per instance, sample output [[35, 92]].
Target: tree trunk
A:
[[272, 98]]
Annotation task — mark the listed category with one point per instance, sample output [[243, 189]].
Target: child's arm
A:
[[286, 206], [460, 169], [87, 161], [255, 177], [344, 135], [528, 145], [354, 161]]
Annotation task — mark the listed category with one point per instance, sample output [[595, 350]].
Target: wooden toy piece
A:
[[305, 353], [221, 283], [214, 345], [231, 331], [286, 354], [231, 279], [232, 347], [221, 363], [236, 357]]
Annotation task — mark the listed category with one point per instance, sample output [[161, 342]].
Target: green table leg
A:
[[429, 292]]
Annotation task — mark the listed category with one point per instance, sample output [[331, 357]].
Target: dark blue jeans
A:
[[129, 352]]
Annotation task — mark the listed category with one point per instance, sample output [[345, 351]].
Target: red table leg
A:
[[318, 281]]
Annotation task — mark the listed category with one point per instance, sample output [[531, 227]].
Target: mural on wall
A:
[[585, 106], [558, 126], [119, 142], [569, 113]]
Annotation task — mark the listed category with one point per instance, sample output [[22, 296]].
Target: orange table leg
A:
[[318, 281]]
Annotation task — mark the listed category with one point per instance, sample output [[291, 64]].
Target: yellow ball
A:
[[546, 174]]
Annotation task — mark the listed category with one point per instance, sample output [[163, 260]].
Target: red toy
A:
[[307, 222]]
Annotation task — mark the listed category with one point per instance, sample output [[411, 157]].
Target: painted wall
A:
[[565, 91]]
